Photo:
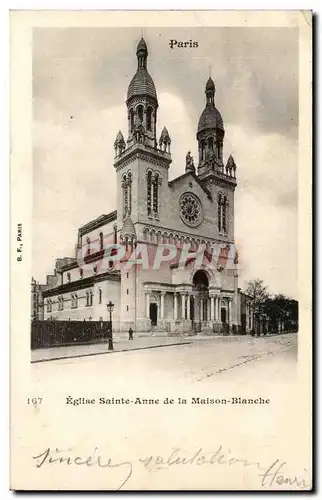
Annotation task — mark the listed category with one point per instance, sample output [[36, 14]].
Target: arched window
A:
[[149, 192], [101, 241], [155, 194], [115, 234], [219, 212], [125, 197], [224, 215], [127, 193], [149, 119], [219, 150], [146, 233], [88, 246], [91, 298], [87, 298], [129, 185], [81, 272], [211, 144], [95, 269], [68, 277], [60, 303], [131, 119], [140, 112], [202, 150], [99, 296], [74, 301]]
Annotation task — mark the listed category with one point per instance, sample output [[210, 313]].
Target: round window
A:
[[190, 209]]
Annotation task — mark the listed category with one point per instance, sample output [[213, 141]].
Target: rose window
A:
[[190, 209]]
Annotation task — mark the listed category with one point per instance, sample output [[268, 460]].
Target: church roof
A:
[[189, 172], [142, 84], [210, 118]]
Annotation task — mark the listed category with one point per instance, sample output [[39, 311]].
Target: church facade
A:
[[166, 257]]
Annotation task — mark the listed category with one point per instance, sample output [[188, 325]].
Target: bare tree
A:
[[258, 291]]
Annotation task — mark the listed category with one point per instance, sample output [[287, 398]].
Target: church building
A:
[[194, 210]]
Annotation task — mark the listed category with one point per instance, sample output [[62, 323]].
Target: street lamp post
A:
[[110, 307]]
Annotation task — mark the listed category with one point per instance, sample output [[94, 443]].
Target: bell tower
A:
[[142, 101], [220, 179], [141, 162], [210, 133]]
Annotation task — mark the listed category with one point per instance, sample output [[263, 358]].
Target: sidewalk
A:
[[120, 345], [138, 343]]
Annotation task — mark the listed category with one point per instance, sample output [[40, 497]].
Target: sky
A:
[[80, 80]]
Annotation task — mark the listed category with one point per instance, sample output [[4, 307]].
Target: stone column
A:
[[147, 305], [201, 310], [175, 306], [183, 301], [196, 309], [218, 308], [188, 306], [162, 305], [212, 308], [229, 302]]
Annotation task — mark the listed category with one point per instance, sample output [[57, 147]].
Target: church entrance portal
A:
[[154, 314], [200, 302], [223, 315]]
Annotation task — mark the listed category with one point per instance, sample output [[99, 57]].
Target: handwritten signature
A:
[[272, 476]]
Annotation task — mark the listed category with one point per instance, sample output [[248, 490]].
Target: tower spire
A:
[[210, 91], [142, 54]]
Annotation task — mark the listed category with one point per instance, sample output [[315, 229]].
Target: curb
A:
[[56, 358]]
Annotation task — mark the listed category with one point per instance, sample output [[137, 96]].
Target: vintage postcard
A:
[[161, 250]]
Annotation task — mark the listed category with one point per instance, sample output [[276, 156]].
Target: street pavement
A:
[[189, 359]]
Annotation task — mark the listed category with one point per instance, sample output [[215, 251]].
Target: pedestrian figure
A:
[[130, 334]]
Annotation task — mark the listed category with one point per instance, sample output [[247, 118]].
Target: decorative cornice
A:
[[96, 223], [73, 286], [159, 283], [68, 267], [142, 152], [219, 179]]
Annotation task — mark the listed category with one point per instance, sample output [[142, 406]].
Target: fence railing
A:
[[64, 333]]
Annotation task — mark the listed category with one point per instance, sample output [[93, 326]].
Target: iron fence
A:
[[64, 333]]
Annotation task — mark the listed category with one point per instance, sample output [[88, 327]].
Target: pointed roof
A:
[[119, 138], [210, 117], [230, 161], [210, 84], [164, 132], [142, 83], [165, 135], [142, 47], [128, 228]]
